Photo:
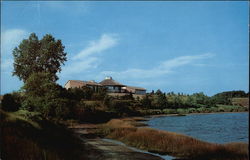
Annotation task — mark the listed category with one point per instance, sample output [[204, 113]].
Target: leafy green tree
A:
[[83, 93], [34, 55], [159, 100], [191, 102], [43, 95], [177, 101], [146, 102]]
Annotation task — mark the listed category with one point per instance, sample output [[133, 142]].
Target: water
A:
[[217, 127]]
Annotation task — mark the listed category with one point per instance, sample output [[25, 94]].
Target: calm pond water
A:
[[216, 127]]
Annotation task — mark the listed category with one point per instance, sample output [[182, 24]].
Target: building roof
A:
[[108, 81], [93, 83], [82, 83], [75, 82], [137, 88]]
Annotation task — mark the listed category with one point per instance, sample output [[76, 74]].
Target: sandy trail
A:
[[99, 149]]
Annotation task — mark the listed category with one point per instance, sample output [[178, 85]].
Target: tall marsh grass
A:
[[170, 143]]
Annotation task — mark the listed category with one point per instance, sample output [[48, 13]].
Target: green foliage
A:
[[181, 111], [191, 110], [121, 107], [34, 55], [146, 102], [128, 97], [81, 93], [169, 111], [10, 102], [225, 97], [159, 100], [44, 96]]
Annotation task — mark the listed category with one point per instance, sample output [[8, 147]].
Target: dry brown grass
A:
[[241, 101], [117, 123], [170, 143]]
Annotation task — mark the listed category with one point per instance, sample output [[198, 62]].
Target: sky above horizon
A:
[[183, 47]]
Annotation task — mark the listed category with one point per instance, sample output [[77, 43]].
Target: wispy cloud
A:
[[6, 65], [10, 39], [88, 57], [163, 68], [80, 66], [105, 42]]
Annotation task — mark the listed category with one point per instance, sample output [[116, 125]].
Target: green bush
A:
[[169, 111], [181, 111], [121, 107], [191, 110], [10, 103], [201, 110]]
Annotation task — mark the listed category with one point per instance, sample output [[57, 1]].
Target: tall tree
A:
[[34, 55]]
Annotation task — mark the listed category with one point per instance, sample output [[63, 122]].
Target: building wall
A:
[[131, 90], [134, 90], [113, 89], [67, 86]]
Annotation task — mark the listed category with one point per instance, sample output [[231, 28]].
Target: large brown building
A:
[[78, 84], [111, 85]]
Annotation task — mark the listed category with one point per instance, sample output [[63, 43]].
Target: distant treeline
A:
[[160, 100], [85, 104]]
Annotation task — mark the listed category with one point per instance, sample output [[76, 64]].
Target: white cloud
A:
[[88, 57], [183, 60], [163, 68], [80, 66], [105, 42], [10, 39], [7, 65]]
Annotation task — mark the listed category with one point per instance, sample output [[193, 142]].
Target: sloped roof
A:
[[137, 88], [93, 83], [78, 83], [110, 82], [75, 82]]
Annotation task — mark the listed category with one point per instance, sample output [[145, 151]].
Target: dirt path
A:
[[99, 149]]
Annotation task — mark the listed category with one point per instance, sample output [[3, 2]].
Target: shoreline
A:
[[177, 145], [164, 115], [101, 148]]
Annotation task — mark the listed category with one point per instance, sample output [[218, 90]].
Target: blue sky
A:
[[173, 46]]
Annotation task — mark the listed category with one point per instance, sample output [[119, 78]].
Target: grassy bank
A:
[[218, 108], [25, 135], [170, 143]]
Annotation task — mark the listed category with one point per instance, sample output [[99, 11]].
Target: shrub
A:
[[181, 111], [121, 107], [10, 103], [191, 110], [169, 111]]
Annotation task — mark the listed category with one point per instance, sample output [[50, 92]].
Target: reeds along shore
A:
[[170, 143]]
